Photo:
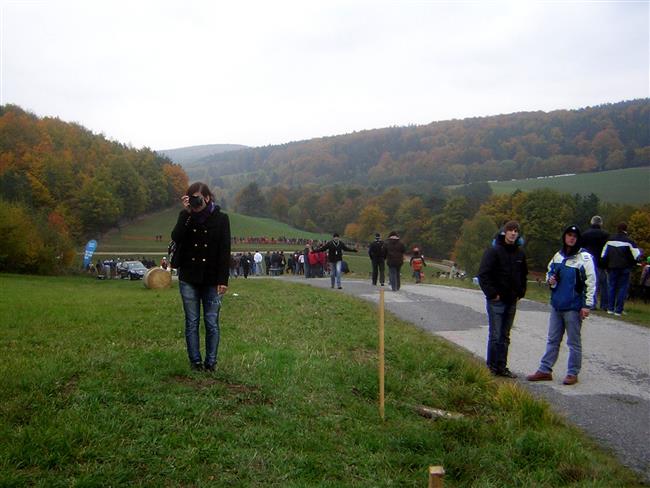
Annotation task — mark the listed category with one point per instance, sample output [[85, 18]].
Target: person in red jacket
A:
[[417, 265]]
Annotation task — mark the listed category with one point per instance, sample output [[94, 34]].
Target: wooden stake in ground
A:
[[435, 476], [381, 352]]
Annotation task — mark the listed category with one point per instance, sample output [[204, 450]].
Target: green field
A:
[[631, 186], [139, 236], [96, 391]]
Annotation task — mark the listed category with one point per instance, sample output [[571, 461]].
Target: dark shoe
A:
[[340, 287], [506, 373], [570, 379], [210, 368], [196, 366], [540, 376]]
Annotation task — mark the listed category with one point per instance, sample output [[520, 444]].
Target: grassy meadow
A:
[[139, 236], [97, 392], [629, 186]]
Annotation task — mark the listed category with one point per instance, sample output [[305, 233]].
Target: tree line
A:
[[61, 184], [520, 145], [453, 224]]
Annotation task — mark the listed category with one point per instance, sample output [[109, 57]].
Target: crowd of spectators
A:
[[290, 241], [302, 262]]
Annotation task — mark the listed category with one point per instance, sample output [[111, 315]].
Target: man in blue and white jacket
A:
[[619, 257], [572, 278]]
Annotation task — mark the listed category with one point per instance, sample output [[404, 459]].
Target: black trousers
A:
[[378, 268]]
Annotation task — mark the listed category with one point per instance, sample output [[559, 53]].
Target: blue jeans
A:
[[394, 277], [193, 296], [619, 282], [335, 273], [559, 322], [501, 315]]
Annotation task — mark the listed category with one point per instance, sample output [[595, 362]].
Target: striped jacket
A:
[[620, 252], [576, 281]]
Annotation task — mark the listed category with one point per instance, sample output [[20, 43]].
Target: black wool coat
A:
[[204, 248]]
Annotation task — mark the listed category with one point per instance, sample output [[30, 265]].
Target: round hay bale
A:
[[156, 278]]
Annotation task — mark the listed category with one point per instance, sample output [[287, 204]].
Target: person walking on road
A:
[[377, 253], [502, 277], [335, 249], [395, 250], [417, 265], [619, 257], [572, 278]]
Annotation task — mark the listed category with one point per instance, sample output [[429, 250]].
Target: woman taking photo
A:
[[202, 237]]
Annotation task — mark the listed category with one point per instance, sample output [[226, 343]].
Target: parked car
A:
[[132, 270]]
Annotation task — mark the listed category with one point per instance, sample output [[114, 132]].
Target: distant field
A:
[[631, 186], [139, 236]]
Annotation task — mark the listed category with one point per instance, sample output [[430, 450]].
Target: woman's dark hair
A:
[[201, 188]]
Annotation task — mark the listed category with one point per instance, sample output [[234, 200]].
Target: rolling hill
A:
[[192, 154], [630, 186], [453, 152], [139, 236]]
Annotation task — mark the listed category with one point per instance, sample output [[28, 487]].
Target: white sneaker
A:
[[610, 312], [617, 315]]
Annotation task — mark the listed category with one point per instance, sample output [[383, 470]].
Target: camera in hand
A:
[[196, 201]]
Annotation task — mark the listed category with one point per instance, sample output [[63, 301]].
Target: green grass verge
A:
[[617, 186], [97, 392]]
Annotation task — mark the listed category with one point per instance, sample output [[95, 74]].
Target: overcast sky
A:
[[168, 74]]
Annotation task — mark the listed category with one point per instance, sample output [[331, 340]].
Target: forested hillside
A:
[[192, 154], [60, 184], [453, 152]]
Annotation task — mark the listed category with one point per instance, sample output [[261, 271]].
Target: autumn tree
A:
[[445, 228], [585, 208], [475, 237], [414, 222], [371, 220], [279, 206], [250, 201], [639, 229], [544, 214]]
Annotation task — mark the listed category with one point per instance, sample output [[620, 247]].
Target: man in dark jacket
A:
[[377, 253], [395, 250], [502, 277], [335, 249], [593, 241], [618, 258]]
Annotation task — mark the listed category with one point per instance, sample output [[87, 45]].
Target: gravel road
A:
[[611, 402]]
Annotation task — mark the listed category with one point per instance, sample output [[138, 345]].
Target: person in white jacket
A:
[[257, 259]]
